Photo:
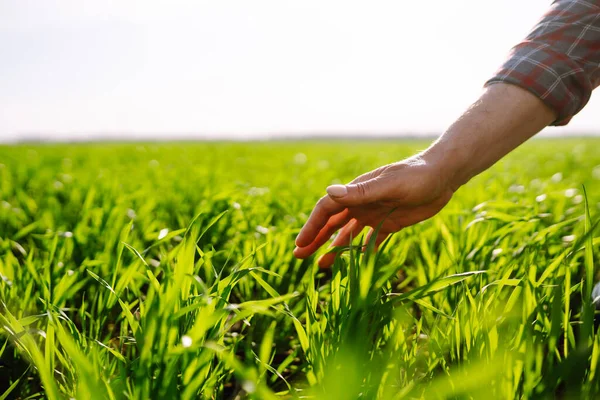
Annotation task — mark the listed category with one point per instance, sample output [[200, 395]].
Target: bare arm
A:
[[504, 117]]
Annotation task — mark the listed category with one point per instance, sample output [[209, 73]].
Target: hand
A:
[[416, 189]]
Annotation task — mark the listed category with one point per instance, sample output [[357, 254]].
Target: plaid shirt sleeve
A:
[[559, 61]]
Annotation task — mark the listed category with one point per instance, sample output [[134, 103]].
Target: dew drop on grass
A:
[[479, 206], [475, 221], [571, 210], [300, 158], [323, 164], [258, 191], [6, 280], [578, 199], [163, 233], [249, 386], [516, 189], [596, 295], [541, 198], [570, 192], [186, 341], [237, 206], [19, 248], [262, 230], [557, 177], [568, 238]]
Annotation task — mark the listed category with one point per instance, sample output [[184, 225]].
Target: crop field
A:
[[136, 271]]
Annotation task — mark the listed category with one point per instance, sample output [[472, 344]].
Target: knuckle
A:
[[321, 202], [385, 169], [362, 188], [323, 207]]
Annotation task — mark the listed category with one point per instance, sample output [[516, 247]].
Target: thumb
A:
[[356, 194]]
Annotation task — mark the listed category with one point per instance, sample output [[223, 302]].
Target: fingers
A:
[[350, 231], [324, 209], [335, 223], [381, 236], [359, 193]]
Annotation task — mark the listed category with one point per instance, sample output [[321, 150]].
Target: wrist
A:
[[450, 162], [504, 117]]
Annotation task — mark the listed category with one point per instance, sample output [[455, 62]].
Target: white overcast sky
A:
[[224, 68]]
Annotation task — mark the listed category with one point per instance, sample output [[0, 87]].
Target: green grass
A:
[[166, 271]]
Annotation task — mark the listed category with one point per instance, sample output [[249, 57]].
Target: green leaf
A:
[[434, 286]]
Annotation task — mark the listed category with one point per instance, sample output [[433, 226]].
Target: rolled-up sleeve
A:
[[559, 61]]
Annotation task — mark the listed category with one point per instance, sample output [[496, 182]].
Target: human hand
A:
[[416, 189]]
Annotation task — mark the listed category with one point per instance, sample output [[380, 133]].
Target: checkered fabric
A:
[[559, 61]]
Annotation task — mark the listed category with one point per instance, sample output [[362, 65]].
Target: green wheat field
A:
[[164, 271]]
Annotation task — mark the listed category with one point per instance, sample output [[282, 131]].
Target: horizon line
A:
[[136, 137]]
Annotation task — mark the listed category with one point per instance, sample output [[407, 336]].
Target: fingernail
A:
[[337, 190]]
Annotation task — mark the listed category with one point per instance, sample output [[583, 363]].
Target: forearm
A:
[[547, 79], [504, 117]]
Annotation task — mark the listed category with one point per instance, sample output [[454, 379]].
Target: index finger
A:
[[324, 209]]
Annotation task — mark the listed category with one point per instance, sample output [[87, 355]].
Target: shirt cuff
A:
[[560, 82]]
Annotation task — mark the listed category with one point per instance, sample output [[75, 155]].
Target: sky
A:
[[72, 69]]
